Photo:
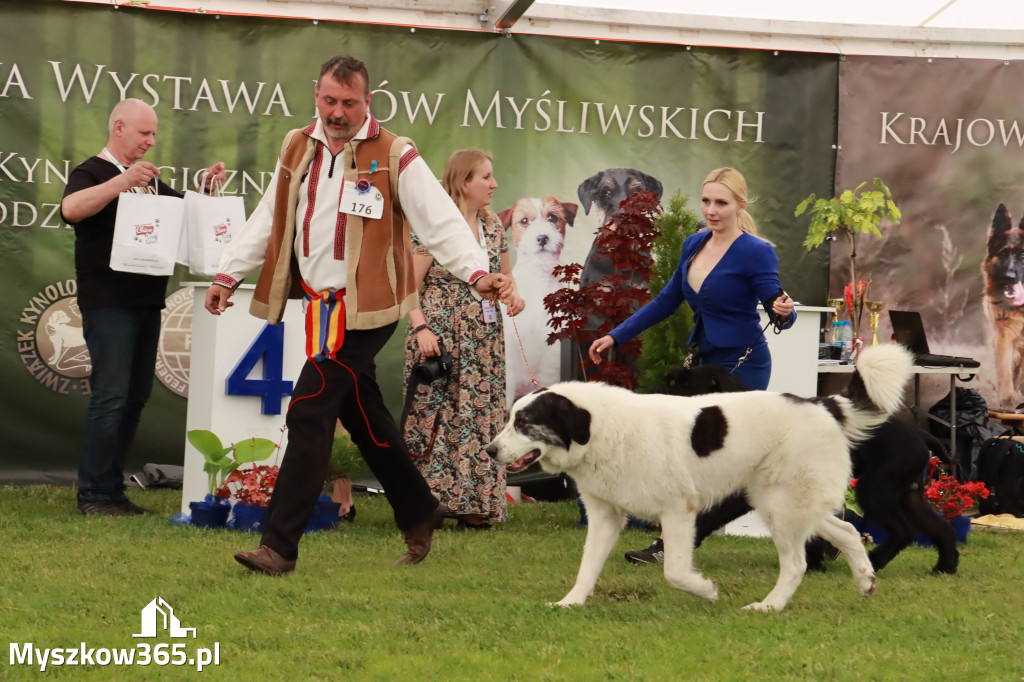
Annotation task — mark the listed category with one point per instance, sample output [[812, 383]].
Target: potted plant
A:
[[346, 463], [947, 496], [221, 462], [250, 488], [853, 212], [951, 498]]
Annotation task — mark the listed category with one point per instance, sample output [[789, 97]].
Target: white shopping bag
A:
[[146, 233], [210, 223]]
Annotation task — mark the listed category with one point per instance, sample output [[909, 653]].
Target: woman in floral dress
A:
[[451, 419]]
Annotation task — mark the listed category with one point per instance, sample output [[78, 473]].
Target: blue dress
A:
[[725, 316]]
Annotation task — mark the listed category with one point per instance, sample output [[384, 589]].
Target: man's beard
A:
[[345, 133]]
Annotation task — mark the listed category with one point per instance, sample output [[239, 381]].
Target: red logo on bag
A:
[[144, 229], [220, 230]]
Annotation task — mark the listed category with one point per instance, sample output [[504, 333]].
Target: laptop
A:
[[909, 333]]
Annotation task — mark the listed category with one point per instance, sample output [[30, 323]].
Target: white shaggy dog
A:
[[665, 458]]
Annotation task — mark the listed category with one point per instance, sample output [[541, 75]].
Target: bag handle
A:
[[218, 191]]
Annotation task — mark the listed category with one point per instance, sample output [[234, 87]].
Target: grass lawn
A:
[[476, 609]]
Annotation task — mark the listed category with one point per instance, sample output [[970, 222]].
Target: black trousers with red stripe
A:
[[344, 388]]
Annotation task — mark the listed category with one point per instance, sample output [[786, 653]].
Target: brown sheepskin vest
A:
[[381, 287]]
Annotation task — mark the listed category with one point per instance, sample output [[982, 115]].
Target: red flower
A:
[[252, 486], [952, 498]]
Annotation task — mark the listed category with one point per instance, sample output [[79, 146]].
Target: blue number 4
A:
[[269, 347]]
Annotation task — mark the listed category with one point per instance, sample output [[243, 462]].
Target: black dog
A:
[[605, 191], [889, 467]]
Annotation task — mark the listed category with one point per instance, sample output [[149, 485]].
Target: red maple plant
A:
[[626, 239], [252, 486]]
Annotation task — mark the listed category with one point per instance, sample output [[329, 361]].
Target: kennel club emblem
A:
[[173, 357], [51, 343], [50, 340]]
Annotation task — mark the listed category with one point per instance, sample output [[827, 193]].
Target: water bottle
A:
[[833, 336], [846, 338]]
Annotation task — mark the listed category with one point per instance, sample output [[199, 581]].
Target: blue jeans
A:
[[122, 343]]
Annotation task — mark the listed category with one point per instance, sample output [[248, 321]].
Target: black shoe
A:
[[463, 525], [133, 509], [350, 515], [655, 554], [102, 508]]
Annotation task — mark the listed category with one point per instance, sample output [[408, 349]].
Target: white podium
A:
[[795, 352], [223, 348]]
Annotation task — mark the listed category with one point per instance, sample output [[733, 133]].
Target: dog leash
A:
[[522, 349], [750, 348]]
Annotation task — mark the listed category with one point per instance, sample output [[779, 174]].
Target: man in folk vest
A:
[[333, 226]]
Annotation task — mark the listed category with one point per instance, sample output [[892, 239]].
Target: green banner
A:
[[553, 111]]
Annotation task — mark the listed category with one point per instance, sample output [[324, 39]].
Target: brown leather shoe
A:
[[418, 538], [266, 560]]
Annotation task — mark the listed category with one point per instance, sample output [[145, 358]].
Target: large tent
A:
[[920, 28]]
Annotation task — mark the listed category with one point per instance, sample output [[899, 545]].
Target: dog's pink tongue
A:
[[1018, 294], [520, 463]]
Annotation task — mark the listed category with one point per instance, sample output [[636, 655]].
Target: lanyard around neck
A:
[[122, 169], [483, 238], [111, 159]]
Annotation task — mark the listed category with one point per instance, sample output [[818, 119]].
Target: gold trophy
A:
[[837, 305], [875, 308]]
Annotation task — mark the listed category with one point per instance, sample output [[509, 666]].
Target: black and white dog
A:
[[889, 468], [665, 458]]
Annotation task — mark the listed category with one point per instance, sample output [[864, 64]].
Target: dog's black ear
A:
[[587, 189], [570, 211], [573, 422], [997, 234], [650, 182], [578, 424]]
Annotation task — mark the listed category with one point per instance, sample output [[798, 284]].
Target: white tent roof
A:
[[959, 14], [923, 28]]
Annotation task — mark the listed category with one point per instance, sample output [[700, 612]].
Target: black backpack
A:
[[1001, 469]]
